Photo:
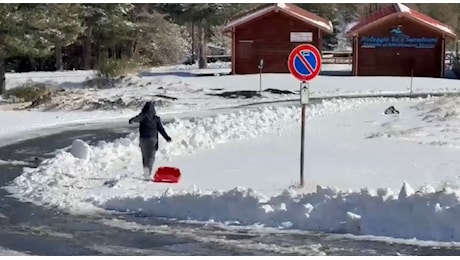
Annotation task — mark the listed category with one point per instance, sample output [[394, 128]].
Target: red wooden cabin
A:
[[399, 41], [270, 32]]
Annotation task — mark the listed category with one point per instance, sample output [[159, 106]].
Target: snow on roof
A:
[[403, 8], [351, 25], [407, 12], [444, 28], [310, 17], [281, 5], [289, 9], [248, 17], [426, 19]]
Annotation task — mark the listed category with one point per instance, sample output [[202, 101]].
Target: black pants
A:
[[148, 152]]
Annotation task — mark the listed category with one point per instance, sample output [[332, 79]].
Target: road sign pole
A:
[[260, 66], [304, 63], [304, 98], [260, 82]]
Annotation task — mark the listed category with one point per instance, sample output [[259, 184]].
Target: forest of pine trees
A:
[[85, 36]]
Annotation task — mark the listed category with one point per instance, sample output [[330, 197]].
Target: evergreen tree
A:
[[155, 40], [328, 11], [21, 26], [64, 26], [106, 25], [205, 16]]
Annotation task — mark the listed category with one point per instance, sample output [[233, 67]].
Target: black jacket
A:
[[149, 123]]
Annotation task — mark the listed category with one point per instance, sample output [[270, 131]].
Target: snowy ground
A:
[[237, 169], [181, 89], [177, 89], [20, 125]]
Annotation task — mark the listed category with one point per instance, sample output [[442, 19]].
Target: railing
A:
[[337, 57], [329, 57], [455, 65]]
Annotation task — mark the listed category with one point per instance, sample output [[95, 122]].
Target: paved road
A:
[[44, 231]]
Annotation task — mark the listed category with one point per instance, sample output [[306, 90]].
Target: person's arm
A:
[[136, 119], [162, 130]]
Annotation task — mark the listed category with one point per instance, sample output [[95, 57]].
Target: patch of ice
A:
[[9, 252], [14, 162], [227, 242]]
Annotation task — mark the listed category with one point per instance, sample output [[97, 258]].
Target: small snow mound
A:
[[406, 191], [384, 193], [353, 223], [427, 189], [81, 150]]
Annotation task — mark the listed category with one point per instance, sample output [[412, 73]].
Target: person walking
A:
[[149, 126]]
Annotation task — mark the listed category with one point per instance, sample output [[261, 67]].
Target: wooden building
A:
[[399, 41], [270, 32]]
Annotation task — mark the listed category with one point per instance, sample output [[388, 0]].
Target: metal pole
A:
[[302, 138], [411, 79], [193, 42], [261, 67], [302, 147], [260, 81]]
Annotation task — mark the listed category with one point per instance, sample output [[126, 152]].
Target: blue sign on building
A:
[[398, 40]]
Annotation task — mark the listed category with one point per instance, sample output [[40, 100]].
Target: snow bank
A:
[[424, 215], [66, 181]]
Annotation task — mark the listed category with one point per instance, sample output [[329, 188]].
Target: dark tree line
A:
[[69, 36], [82, 36]]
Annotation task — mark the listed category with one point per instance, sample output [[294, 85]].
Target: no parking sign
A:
[[304, 63]]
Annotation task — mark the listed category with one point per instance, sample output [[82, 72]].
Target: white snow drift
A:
[[65, 180]]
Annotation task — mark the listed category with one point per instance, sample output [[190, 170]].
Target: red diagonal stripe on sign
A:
[[305, 62]]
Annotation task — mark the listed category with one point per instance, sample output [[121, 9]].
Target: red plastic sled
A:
[[167, 174]]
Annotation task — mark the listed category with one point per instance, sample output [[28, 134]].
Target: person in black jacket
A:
[[149, 126]]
